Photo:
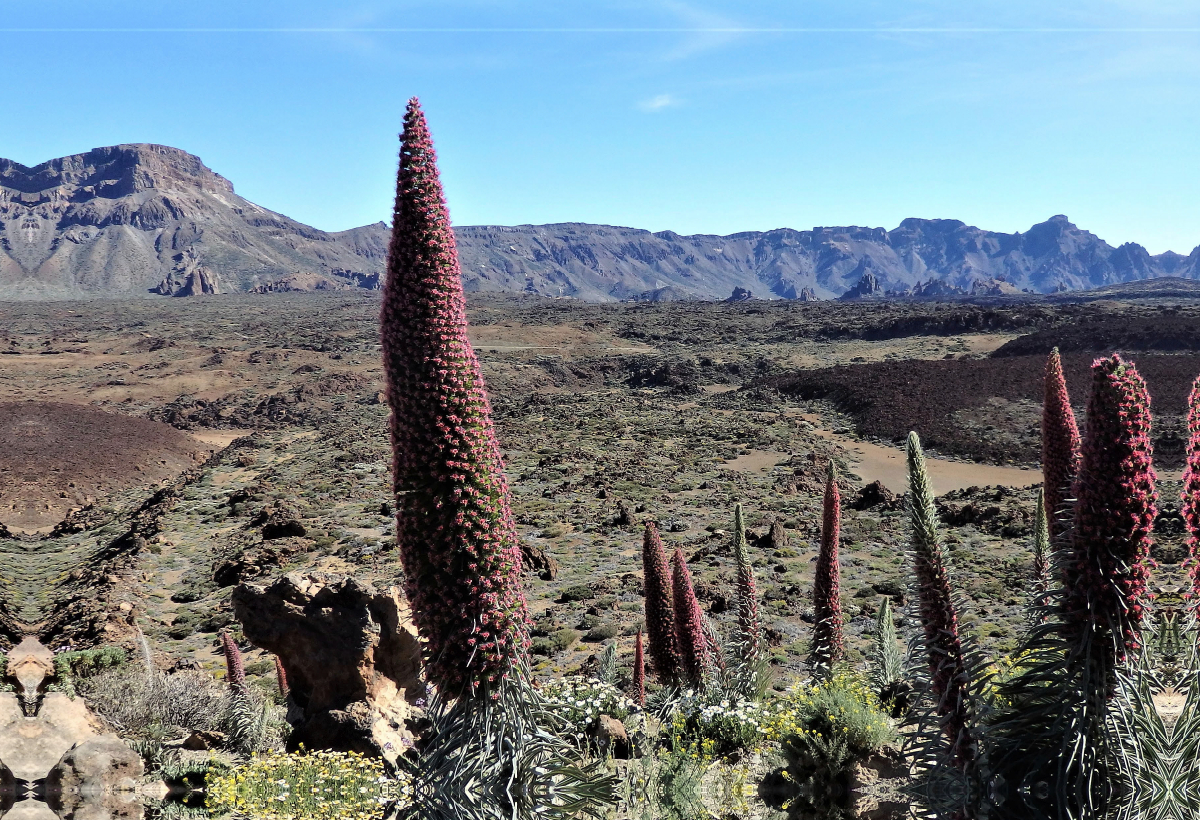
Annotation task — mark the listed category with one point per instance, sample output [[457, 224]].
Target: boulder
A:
[[96, 778], [610, 735], [536, 559], [351, 658]]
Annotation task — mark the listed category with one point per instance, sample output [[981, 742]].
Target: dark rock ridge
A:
[[139, 219]]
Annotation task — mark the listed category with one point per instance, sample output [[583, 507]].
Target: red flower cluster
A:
[[1108, 565], [828, 642], [1191, 489], [689, 623], [639, 671], [454, 529], [1060, 443], [660, 612], [235, 672]]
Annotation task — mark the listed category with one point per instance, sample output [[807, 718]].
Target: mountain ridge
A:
[[142, 219]]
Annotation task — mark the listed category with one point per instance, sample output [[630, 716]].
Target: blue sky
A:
[[700, 117]]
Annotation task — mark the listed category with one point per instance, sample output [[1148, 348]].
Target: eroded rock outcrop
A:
[[351, 656]]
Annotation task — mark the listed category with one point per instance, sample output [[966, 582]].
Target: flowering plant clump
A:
[[841, 706], [582, 700], [1191, 490], [1108, 566], [1060, 442], [454, 528], [708, 725], [313, 786]]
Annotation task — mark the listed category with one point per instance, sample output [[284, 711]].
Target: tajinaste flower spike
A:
[[1060, 444], [828, 642], [639, 671], [281, 678], [689, 623], [235, 672], [1108, 566], [939, 617], [749, 637], [454, 529], [1191, 490], [660, 610]]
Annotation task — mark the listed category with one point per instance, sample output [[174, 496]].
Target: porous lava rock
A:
[[351, 656]]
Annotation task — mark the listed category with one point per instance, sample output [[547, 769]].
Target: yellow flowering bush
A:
[[842, 707], [308, 786]]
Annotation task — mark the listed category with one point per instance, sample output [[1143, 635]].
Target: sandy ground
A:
[[874, 462]]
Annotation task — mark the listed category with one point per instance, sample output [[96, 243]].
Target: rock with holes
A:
[[350, 654]]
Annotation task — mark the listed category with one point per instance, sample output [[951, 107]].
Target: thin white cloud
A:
[[657, 103]]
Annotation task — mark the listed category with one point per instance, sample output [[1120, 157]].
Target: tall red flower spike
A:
[[1108, 566], [281, 678], [456, 535], [1191, 490], [660, 611], [235, 672], [639, 671], [1060, 444], [949, 678], [749, 627], [828, 643], [689, 623]]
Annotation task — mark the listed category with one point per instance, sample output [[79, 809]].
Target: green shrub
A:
[[578, 592], [601, 632], [563, 638], [842, 706]]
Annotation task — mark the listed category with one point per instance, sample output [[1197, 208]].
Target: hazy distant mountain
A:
[[138, 219]]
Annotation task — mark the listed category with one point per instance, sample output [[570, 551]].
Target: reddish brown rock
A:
[[351, 656]]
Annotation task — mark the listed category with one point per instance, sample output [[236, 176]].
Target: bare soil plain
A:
[[227, 439]]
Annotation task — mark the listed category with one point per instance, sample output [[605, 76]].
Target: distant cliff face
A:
[[922, 257], [138, 219], [132, 219]]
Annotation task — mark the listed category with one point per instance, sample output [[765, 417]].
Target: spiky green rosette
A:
[[1060, 442], [689, 623], [749, 631], [1191, 491], [1041, 553], [1108, 564], [828, 643], [456, 536], [639, 671], [660, 609], [949, 679]]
